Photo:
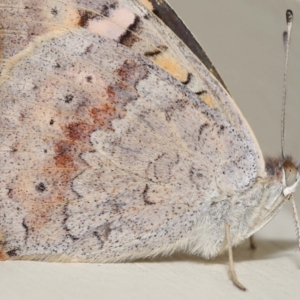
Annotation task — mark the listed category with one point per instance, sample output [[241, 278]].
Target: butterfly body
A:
[[118, 143]]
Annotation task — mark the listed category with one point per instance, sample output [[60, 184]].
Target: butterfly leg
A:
[[231, 264], [252, 242]]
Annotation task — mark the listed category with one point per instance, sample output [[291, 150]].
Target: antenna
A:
[[287, 42]]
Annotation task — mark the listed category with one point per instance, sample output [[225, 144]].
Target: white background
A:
[[244, 41]]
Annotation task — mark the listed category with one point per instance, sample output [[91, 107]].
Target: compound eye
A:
[[291, 173]]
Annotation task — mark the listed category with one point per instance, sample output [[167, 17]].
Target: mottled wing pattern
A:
[[107, 151]]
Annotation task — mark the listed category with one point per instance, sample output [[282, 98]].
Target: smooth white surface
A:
[[244, 41]]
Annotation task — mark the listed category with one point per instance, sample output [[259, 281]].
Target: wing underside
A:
[[106, 151]]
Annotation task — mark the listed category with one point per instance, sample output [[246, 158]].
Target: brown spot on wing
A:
[[157, 51], [85, 16], [79, 131], [65, 153], [131, 72], [3, 255], [103, 115], [131, 34], [106, 9]]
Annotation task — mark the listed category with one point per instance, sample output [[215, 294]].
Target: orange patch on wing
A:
[[147, 4], [208, 100], [3, 256], [169, 64]]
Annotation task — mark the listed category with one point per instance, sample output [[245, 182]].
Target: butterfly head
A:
[[290, 178], [289, 174], [285, 170]]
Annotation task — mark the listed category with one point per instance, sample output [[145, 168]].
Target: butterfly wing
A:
[[106, 154]]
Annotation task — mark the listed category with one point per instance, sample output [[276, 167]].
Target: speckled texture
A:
[[117, 143]]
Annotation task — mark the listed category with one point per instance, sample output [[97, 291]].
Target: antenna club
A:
[[289, 16]]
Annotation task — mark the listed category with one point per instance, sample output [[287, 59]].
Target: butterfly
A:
[[120, 140]]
